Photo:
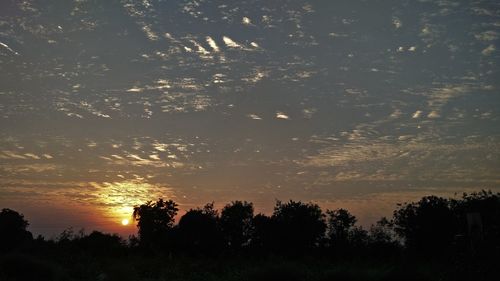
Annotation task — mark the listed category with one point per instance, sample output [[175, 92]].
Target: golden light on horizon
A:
[[118, 198]]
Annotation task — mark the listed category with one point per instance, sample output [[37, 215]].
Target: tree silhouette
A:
[[486, 205], [101, 243], [13, 231], [297, 226], [236, 223], [288, 244], [382, 240], [155, 221], [358, 237], [198, 230], [262, 236], [340, 224], [427, 226], [382, 232]]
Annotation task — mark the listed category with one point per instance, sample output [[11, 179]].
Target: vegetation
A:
[[432, 239], [155, 221]]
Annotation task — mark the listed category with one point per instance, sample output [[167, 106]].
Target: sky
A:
[[105, 105]]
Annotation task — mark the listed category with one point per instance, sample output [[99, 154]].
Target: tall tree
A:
[[13, 231], [382, 233], [155, 221], [427, 226], [236, 223], [198, 230], [485, 205], [263, 232], [340, 224], [298, 226]]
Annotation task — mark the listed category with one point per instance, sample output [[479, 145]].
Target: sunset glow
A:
[[365, 104]]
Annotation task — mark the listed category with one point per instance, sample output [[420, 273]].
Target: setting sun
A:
[[125, 222]]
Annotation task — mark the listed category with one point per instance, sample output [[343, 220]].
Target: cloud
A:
[[254, 116], [160, 146], [119, 197], [397, 23], [246, 21], [488, 50], [8, 48], [487, 36], [281, 115], [32, 156], [309, 112], [149, 33], [200, 49], [154, 157], [440, 96], [29, 168], [12, 155], [433, 115], [396, 114], [417, 114], [212, 44], [231, 43], [411, 157]]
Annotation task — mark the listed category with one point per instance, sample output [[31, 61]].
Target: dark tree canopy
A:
[[426, 225], [433, 229], [236, 223], [101, 243], [297, 226], [262, 234], [340, 224], [382, 232], [431, 226], [485, 205], [155, 221], [13, 231], [198, 230]]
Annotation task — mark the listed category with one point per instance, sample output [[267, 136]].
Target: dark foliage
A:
[[13, 233], [198, 231], [262, 234], [382, 239], [22, 267], [428, 226], [340, 227], [236, 223], [155, 221], [485, 206], [432, 239], [297, 226], [102, 243]]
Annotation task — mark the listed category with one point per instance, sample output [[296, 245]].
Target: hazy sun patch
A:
[[118, 199]]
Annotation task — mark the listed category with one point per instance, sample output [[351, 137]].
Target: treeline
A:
[[294, 228], [434, 238], [431, 226]]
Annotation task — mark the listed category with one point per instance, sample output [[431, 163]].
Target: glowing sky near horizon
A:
[[358, 104]]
